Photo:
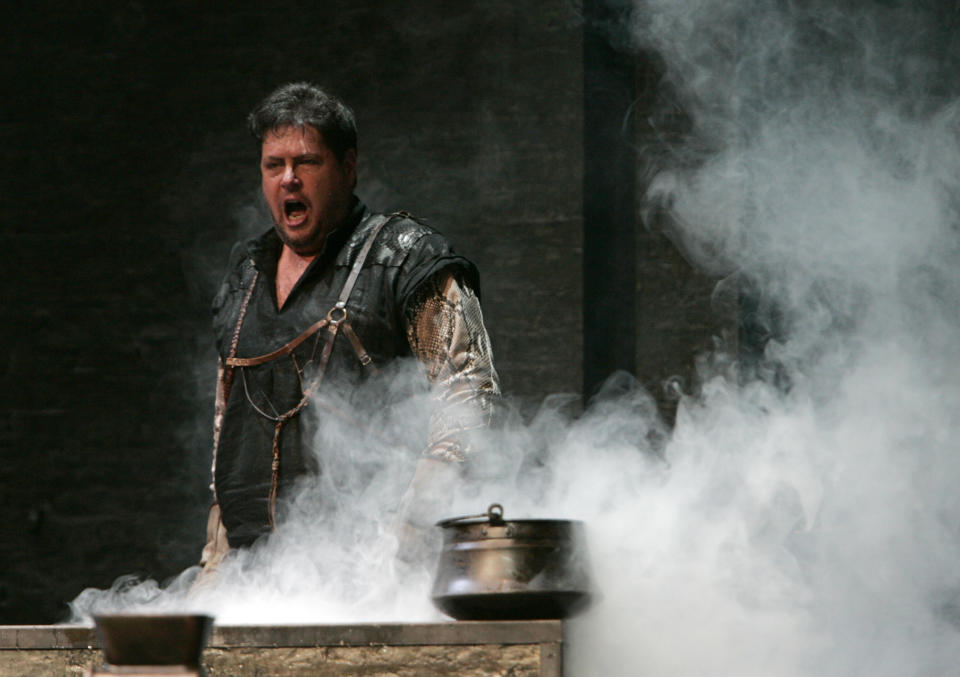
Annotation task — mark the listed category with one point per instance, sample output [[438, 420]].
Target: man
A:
[[317, 306]]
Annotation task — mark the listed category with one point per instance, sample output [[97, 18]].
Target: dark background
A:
[[128, 174]]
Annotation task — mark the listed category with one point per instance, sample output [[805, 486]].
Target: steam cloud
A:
[[803, 519], [808, 522]]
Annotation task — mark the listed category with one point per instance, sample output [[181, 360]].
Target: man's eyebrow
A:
[[295, 157]]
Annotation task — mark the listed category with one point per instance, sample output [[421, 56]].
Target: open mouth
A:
[[294, 210]]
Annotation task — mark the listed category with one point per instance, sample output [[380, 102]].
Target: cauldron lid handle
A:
[[494, 515]]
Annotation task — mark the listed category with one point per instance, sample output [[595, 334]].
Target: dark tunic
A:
[[405, 255]]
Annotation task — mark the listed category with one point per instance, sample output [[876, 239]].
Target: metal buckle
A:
[[341, 306]]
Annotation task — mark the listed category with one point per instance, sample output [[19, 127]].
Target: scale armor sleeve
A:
[[446, 333]]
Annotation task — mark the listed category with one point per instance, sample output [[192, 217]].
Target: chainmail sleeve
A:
[[446, 333]]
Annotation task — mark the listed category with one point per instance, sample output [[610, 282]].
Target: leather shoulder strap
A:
[[338, 314], [382, 220]]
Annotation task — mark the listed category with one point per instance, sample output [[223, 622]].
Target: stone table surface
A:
[[489, 648]]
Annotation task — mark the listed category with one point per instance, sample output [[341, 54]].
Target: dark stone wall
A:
[[128, 174]]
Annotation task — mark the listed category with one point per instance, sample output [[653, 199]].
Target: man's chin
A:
[[304, 242]]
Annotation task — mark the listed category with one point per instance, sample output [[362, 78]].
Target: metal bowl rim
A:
[[446, 524]]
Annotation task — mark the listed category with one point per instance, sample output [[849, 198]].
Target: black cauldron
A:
[[496, 569]]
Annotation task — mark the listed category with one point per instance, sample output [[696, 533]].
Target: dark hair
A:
[[299, 104]]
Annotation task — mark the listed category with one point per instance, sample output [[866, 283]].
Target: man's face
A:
[[307, 189]]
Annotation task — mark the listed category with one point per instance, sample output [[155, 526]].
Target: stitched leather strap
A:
[[358, 348], [362, 256], [338, 314], [225, 382], [228, 374], [279, 352]]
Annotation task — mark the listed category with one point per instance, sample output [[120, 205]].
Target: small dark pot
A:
[[495, 569], [154, 639]]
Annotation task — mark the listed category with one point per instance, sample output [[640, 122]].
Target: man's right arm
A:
[[225, 328], [216, 542], [446, 333]]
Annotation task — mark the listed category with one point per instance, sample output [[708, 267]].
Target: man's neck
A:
[[290, 268]]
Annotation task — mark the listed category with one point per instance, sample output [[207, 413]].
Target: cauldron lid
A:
[[494, 517]]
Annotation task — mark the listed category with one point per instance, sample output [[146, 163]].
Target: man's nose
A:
[[290, 179]]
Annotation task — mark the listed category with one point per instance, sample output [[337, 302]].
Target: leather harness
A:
[[335, 320]]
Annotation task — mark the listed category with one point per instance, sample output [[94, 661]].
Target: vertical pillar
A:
[[609, 193]]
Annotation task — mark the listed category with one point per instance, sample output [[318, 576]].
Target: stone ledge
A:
[[464, 649], [359, 634]]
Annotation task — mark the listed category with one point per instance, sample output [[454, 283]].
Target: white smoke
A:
[[810, 527], [807, 524]]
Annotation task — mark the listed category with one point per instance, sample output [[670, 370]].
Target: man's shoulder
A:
[[239, 272], [420, 250], [247, 251], [237, 262], [401, 234], [405, 227]]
